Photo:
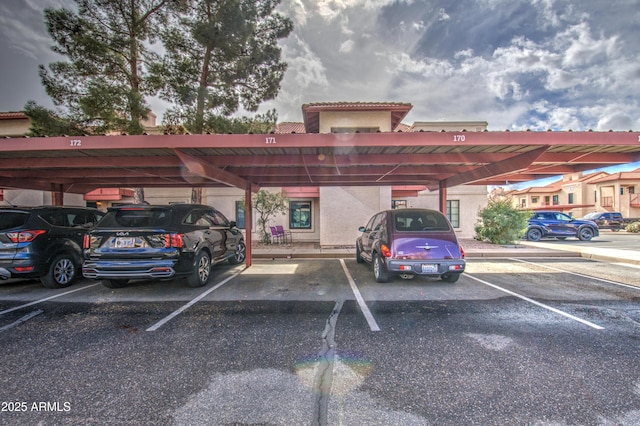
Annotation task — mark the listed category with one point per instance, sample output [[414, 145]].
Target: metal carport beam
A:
[[517, 162], [200, 168]]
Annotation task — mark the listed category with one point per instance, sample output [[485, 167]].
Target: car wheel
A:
[[202, 271], [359, 258], [61, 273], [585, 234], [534, 234], [240, 254], [115, 283], [379, 270], [450, 278]]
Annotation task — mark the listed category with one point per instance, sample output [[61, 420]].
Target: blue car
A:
[[552, 224]]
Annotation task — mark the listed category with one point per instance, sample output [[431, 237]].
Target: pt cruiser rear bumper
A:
[[426, 267]]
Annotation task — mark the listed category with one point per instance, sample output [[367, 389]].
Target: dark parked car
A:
[[559, 225], [160, 242], [410, 242], [607, 220], [44, 242]]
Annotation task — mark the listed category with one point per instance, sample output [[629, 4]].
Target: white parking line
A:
[[579, 275], [542, 305], [190, 304], [373, 325], [21, 320], [46, 298]]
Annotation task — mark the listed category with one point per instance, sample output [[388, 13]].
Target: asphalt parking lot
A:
[[318, 342]]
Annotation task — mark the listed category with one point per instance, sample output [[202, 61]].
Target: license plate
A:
[[429, 268], [125, 242]]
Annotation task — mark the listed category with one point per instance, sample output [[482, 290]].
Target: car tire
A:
[[115, 283], [534, 234], [61, 273], [450, 278], [585, 234], [240, 255], [359, 258], [379, 269], [201, 271]]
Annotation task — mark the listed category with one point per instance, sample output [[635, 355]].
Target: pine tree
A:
[[105, 79], [222, 55]]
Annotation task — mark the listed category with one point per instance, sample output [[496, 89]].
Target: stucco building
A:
[[579, 194]]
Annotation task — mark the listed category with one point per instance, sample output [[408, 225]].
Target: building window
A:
[[622, 190], [535, 200], [631, 190], [398, 204], [240, 214], [523, 202], [453, 212], [570, 200], [556, 200], [300, 215]]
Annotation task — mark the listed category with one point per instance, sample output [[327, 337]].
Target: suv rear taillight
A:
[[173, 240], [384, 250], [85, 241], [461, 252], [25, 236]]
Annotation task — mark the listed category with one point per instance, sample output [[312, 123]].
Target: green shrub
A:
[[501, 223], [633, 227]]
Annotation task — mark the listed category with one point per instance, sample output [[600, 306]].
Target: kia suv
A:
[[559, 225], [160, 242], [44, 242], [408, 242]]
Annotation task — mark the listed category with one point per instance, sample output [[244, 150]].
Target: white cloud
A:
[[346, 46]]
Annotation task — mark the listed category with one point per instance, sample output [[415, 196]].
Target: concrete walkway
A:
[[473, 249]]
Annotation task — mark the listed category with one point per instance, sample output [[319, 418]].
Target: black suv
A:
[[559, 225], [160, 242], [607, 220], [44, 242]]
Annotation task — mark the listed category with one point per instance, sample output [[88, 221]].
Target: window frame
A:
[[293, 226]]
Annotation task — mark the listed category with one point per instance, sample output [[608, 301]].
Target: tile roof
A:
[[13, 115], [290, 127]]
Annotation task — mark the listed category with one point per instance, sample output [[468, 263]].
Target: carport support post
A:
[[248, 207], [57, 195], [442, 198]]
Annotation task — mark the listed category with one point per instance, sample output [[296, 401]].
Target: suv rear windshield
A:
[[10, 220], [420, 221], [136, 218]]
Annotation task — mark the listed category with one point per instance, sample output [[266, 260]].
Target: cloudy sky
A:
[[518, 64]]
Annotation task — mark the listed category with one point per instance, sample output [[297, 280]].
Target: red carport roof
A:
[[434, 159]]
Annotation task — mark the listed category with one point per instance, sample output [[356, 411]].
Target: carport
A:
[[437, 160]]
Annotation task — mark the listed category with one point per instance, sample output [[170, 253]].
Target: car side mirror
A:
[[233, 224], [362, 229]]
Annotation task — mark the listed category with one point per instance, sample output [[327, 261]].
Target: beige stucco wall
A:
[[344, 209], [472, 199], [14, 128], [27, 197], [329, 119]]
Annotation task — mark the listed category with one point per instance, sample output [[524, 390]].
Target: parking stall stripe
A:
[[45, 299], [577, 274], [373, 325], [21, 320], [542, 305], [190, 304]]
